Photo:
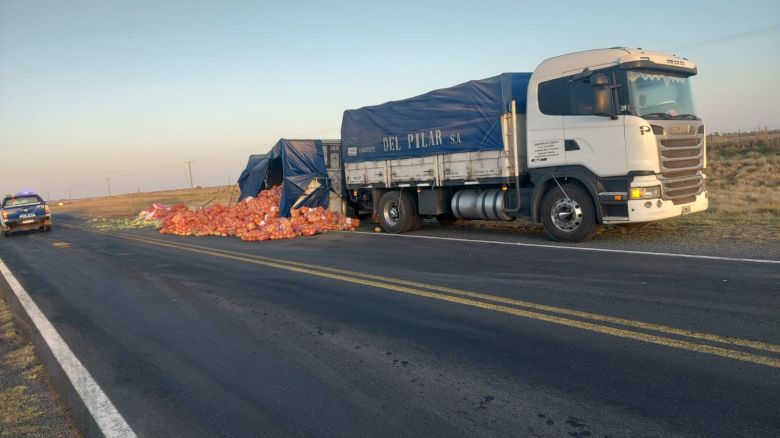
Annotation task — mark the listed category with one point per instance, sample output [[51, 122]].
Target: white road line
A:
[[108, 419], [576, 248]]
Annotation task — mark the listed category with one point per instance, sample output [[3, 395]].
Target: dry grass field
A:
[[744, 173], [121, 206], [743, 177]]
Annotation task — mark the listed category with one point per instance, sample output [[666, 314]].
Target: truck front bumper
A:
[[646, 210]]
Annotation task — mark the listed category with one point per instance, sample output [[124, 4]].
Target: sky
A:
[[130, 90]]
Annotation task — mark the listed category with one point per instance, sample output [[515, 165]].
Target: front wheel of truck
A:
[[568, 214], [397, 213]]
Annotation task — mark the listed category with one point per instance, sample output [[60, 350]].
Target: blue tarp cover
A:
[[300, 162], [463, 118]]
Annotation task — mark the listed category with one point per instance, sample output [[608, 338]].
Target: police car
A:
[[24, 211]]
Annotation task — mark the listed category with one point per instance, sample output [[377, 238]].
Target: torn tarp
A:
[[298, 165]]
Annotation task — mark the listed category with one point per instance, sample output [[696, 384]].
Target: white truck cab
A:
[[629, 114]]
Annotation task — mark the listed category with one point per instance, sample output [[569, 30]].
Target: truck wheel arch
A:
[[377, 194], [543, 181]]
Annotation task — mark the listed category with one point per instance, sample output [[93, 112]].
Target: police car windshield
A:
[[21, 201]]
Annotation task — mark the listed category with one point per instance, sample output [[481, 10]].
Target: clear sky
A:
[[132, 89]]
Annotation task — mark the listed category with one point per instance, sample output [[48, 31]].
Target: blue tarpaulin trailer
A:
[[298, 166], [462, 118]]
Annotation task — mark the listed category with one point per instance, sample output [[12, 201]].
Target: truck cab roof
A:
[[573, 63]]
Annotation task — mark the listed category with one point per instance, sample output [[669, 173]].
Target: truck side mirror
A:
[[602, 96]]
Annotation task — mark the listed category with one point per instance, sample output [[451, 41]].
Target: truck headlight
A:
[[46, 209], [645, 192]]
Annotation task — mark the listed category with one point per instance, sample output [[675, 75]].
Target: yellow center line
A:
[[483, 296], [401, 286]]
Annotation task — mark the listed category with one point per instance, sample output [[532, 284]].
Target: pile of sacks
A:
[[254, 219]]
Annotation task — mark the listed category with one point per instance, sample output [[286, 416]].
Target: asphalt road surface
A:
[[361, 334]]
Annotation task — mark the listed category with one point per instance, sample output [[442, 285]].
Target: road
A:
[[362, 334]]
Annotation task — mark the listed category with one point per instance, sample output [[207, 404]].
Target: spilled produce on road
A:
[[253, 219]]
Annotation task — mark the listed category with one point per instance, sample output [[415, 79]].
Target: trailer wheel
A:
[[397, 213], [569, 218]]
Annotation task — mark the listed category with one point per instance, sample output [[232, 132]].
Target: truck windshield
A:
[[660, 95]]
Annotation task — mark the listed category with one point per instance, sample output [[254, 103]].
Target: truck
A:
[[605, 136], [24, 211]]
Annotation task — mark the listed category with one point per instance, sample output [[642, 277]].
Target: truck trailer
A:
[[607, 136]]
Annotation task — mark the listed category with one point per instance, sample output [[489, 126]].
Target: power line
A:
[[734, 36]]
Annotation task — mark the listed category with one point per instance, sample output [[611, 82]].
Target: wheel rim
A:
[[566, 214], [391, 214]]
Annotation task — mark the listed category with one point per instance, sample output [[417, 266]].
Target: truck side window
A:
[[580, 98], [553, 97]]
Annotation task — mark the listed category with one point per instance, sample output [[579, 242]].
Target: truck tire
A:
[[397, 213], [569, 218], [6, 233], [47, 228], [417, 222]]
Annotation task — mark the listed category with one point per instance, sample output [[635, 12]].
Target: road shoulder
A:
[[29, 405]]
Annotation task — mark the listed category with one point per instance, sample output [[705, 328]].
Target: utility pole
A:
[[189, 166], [70, 196], [108, 181]]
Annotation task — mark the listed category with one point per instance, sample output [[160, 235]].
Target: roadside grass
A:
[[744, 174], [28, 406], [121, 206]]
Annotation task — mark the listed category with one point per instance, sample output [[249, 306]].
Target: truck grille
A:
[[681, 187], [681, 162], [682, 154]]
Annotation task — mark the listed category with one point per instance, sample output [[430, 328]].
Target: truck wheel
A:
[[6, 233], [397, 213], [569, 218], [47, 228], [417, 222]]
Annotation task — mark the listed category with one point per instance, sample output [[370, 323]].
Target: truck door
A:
[[594, 141]]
